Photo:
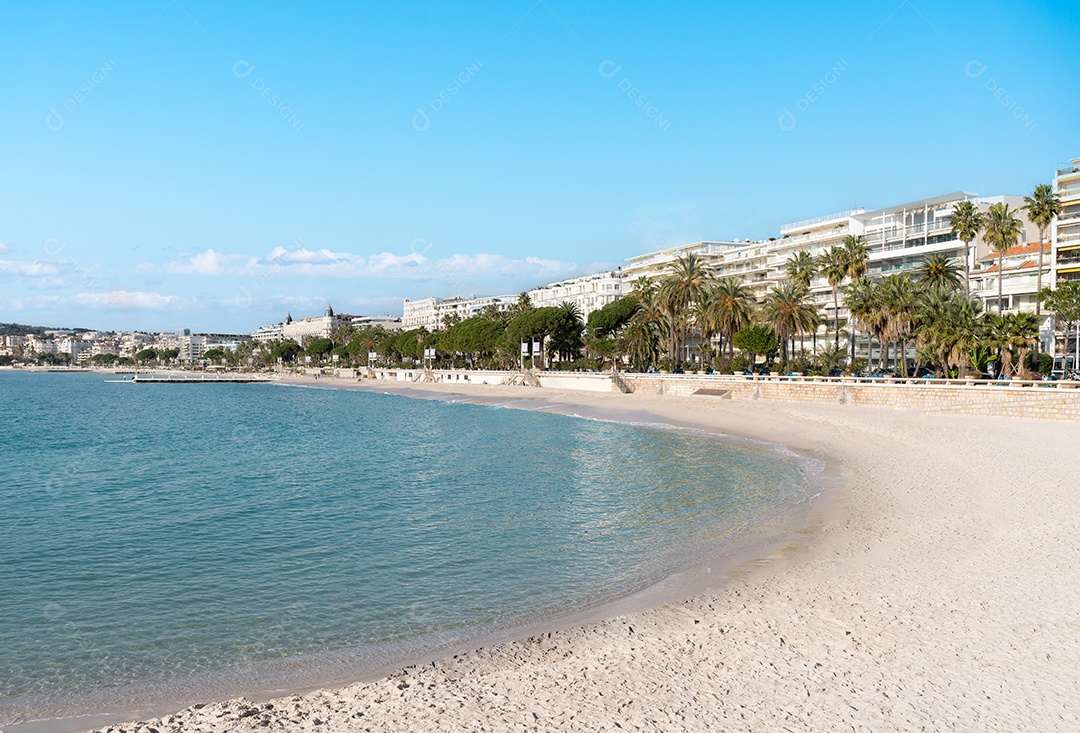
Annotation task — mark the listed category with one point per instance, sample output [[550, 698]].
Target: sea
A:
[[166, 544]]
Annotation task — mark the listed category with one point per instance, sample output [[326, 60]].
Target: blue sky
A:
[[212, 166]]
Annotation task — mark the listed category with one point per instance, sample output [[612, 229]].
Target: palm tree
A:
[[1002, 232], [640, 340], [858, 262], [645, 289], [833, 264], [949, 328], [857, 254], [685, 283], [900, 303], [789, 312], [733, 302], [572, 310], [1042, 206], [939, 271], [801, 268], [864, 304], [1023, 334], [704, 316], [524, 303], [966, 224], [996, 332]]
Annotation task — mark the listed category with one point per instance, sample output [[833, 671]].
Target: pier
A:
[[191, 379]]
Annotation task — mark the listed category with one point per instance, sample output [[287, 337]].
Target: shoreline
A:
[[943, 596]]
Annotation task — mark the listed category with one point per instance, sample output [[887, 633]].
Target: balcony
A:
[[795, 226]]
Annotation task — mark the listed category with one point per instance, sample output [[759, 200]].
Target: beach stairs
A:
[[524, 378], [622, 384], [724, 394], [425, 376]]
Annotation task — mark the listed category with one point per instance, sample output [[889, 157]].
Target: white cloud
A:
[[3, 247], [210, 262], [27, 269], [37, 302], [326, 263], [48, 283], [128, 299]]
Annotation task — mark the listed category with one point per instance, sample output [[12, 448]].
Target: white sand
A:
[[944, 594]]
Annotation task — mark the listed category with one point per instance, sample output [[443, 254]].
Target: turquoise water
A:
[[160, 542]]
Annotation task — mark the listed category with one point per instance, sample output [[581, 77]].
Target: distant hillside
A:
[[18, 329]]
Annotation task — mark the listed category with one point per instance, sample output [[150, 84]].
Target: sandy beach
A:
[[939, 591]]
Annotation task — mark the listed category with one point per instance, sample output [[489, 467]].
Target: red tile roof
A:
[[1023, 249]]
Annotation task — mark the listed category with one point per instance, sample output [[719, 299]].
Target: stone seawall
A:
[[1006, 400]]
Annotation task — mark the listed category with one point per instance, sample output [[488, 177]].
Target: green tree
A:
[[858, 262], [1064, 303], [857, 255], [733, 303], [216, 355], [788, 311], [938, 270], [967, 222], [756, 340], [1042, 206], [900, 305], [1002, 232], [640, 341], [610, 319], [801, 268], [833, 264], [686, 281], [319, 347], [286, 350], [864, 306], [146, 355], [524, 303], [949, 327]]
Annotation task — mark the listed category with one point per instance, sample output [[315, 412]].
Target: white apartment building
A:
[[37, 345], [386, 322], [276, 332], [430, 313], [78, 349], [419, 314], [1065, 234], [588, 293], [316, 327], [190, 346], [1019, 277], [105, 346]]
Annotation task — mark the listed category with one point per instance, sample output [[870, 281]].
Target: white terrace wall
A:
[[1047, 401]]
